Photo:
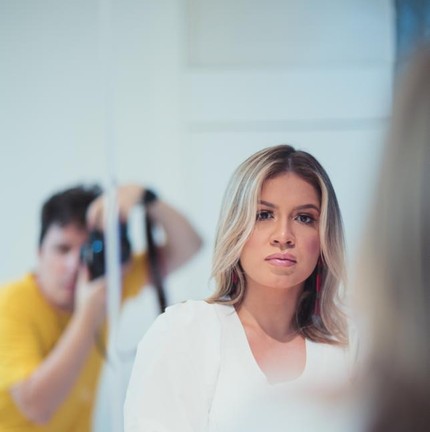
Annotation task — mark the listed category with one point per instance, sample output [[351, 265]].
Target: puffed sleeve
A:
[[175, 371]]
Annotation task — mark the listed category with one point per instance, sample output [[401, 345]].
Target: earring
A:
[[317, 307], [234, 278]]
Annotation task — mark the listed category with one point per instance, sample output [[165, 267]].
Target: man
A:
[[51, 320]]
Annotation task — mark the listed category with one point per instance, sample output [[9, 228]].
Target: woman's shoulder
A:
[[188, 320], [176, 369], [328, 353], [189, 312], [331, 362], [189, 332], [194, 307]]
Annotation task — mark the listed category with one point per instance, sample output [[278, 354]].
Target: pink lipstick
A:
[[282, 259]]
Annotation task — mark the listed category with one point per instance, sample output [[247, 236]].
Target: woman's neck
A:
[[268, 318], [271, 311]]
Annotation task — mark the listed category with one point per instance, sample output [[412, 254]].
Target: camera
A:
[[93, 251]]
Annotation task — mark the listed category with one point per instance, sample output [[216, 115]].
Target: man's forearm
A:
[[39, 396], [182, 240]]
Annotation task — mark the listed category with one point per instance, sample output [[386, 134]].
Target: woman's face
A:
[[284, 247]]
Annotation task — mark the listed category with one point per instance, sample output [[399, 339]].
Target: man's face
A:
[[59, 264]]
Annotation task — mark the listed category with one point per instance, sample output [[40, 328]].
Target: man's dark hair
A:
[[67, 206]]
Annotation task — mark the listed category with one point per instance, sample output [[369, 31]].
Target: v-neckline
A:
[[250, 360]]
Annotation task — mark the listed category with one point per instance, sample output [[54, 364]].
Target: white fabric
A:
[[195, 371]]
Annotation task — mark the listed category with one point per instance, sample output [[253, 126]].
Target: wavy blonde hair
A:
[[236, 223]]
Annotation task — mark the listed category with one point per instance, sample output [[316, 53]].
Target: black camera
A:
[[93, 251]]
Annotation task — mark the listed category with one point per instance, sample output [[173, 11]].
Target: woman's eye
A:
[[306, 219], [264, 215]]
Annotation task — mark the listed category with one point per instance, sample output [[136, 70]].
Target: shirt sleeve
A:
[[136, 277], [175, 371], [20, 352]]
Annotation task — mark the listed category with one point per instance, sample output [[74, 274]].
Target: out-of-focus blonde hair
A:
[[236, 223], [393, 282]]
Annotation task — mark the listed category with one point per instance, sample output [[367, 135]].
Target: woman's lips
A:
[[280, 259]]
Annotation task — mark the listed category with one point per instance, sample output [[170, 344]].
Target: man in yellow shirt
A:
[[50, 319]]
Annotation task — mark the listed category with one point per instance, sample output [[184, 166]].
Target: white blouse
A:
[[195, 371]]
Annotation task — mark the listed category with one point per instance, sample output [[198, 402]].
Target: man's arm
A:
[[40, 395], [182, 240]]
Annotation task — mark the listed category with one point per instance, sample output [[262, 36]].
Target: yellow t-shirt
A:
[[29, 329]]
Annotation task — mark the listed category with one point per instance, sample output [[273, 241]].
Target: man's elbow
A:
[[197, 245], [178, 257], [191, 249], [39, 418], [31, 409], [35, 415]]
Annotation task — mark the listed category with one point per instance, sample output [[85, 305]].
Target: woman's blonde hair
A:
[[236, 223], [393, 283]]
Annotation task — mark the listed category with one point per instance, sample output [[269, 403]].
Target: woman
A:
[[394, 277], [274, 325]]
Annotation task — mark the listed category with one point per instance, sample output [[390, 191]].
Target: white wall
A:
[[199, 86]]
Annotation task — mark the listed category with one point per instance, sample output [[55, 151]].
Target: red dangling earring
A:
[[317, 308], [234, 278]]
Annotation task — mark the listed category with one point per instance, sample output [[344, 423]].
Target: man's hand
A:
[[90, 299], [127, 197], [182, 241]]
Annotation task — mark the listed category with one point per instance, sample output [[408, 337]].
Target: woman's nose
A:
[[283, 235]]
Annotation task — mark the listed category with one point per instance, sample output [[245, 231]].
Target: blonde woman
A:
[[274, 324], [394, 282]]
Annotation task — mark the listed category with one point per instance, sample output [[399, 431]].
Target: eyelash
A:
[[268, 215], [263, 215], [309, 219]]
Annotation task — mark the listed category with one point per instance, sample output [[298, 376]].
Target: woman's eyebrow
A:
[[308, 206], [267, 203], [300, 207]]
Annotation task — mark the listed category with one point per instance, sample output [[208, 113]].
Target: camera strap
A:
[[154, 263]]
